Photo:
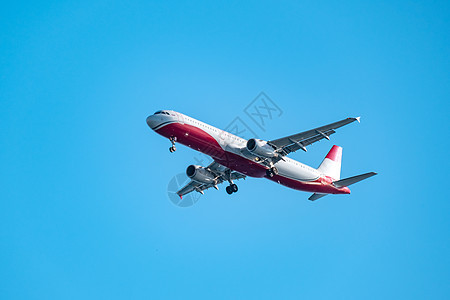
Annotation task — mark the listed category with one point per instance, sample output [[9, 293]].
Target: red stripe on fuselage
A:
[[322, 185], [198, 139]]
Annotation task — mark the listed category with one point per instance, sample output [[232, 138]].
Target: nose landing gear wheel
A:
[[172, 140]]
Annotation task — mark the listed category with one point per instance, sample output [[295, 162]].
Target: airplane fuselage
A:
[[230, 151]]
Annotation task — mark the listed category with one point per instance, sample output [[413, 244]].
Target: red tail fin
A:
[[331, 165]]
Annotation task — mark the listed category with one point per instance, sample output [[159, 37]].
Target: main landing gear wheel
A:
[[172, 139], [272, 172], [231, 189]]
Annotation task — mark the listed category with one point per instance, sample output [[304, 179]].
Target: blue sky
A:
[[84, 206]]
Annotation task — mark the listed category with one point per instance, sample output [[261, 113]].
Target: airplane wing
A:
[[222, 174], [300, 140]]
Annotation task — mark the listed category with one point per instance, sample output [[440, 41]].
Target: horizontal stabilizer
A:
[[352, 180], [316, 196]]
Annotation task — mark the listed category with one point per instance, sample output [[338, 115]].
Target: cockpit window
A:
[[162, 112]]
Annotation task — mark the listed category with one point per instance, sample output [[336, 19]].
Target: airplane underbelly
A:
[[242, 165]]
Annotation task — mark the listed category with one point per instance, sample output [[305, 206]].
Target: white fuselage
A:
[[231, 143]]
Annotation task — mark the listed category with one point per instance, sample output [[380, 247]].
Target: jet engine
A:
[[200, 174], [260, 147]]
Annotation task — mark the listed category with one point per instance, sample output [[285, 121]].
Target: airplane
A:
[[235, 158]]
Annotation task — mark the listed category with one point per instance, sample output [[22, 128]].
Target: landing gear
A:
[[172, 139], [231, 189], [272, 172]]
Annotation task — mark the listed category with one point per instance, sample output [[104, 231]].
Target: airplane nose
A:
[[152, 121]]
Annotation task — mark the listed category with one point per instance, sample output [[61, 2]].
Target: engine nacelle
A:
[[200, 174], [260, 147]]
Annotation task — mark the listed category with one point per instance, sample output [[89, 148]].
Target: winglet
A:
[[358, 119]]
